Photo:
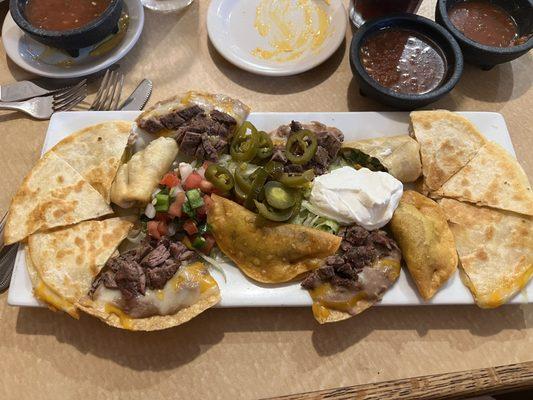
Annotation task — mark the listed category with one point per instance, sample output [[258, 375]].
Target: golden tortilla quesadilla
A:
[[447, 141], [428, 246], [52, 195], [68, 259], [138, 178], [96, 153], [399, 154], [495, 248], [266, 251], [492, 178]]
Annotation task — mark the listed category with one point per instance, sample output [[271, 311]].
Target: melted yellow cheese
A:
[[54, 301], [324, 296], [125, 319], [292, 28]]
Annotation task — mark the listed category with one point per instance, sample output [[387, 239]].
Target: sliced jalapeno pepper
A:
[[272, 215], [260, 177], [301, 147], [244, 182], [244, 146], [274, 169], [278, 196], [220, 177], [297, 180], [265, 147]]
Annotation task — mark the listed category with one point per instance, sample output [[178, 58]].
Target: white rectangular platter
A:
[[237, 290]]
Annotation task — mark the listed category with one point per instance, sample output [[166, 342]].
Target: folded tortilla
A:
[[427, 243], [495, 248], [192, 285], [492, 178], [448, 141], [96, 153], [138, 178], [399, 154], [52, 195], [68, 259], [207, 101], [265, 251]]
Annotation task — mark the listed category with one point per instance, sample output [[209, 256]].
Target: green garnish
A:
[[194, 198], [198, 242], [162, 202]]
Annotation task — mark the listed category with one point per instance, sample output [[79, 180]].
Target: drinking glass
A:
[[166, 5], [363, 10]]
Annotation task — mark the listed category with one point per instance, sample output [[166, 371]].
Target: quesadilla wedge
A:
[[447, 141], [136, 180], [427, 243], [399, 154], [52, 195], [495, 248], [365, 267], [155, 285], [96, 153], [492, 178], [266, 251], [67, 259]]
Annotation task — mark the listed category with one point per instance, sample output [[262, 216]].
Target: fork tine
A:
[[68, 91], [73, 102], [111, 92], [105, 94], [119, 92], [66, 99], [96, 102]]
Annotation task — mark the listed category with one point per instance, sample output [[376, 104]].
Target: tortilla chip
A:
[[495, 248], [428, 247], [492, 178], [265, 251], [448, 142], [115, 317], [52, 195], [136, 180], [399, 154], [96, 152], [68, 259]]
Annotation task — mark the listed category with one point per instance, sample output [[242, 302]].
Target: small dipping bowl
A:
[[70, 40], [440, 39], [484, 56]]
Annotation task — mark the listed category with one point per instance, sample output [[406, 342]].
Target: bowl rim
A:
[[443, 10], [15, 7], [413, 20]]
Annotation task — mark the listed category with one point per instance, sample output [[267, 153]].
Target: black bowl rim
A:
[[19, 16], [415, 20], [528, 45]]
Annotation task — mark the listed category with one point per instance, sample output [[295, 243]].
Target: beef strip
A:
[[151, 125], [359, 250]]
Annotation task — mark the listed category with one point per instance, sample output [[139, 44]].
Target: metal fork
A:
[[7, 257], [44, 107], [108, 95]]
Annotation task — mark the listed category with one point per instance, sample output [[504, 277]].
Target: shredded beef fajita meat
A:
[[198, 133], [359, 249], [329, 143], [149, 266]]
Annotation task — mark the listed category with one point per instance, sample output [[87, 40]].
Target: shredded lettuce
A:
[[215, 263], [308, 216]]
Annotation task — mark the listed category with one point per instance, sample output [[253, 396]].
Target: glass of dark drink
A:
[[363, 10]]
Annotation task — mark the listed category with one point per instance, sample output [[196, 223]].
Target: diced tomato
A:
[[152, 229], [162, 227], [193, 181], [190, 227], [170, 180], [160, 216], [208, 201], [209, 243], [175, 208], [206, 186]]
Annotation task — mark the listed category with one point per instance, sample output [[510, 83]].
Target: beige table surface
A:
[[251, 353]]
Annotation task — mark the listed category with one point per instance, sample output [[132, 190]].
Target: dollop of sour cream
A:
[[350, 196]]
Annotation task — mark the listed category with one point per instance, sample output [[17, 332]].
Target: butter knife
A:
[[139, 97]]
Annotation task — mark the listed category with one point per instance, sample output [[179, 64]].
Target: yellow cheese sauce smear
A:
[[292, 27]]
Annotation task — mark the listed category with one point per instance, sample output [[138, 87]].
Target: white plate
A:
[[239, 291], [22, 49], [231, 29]]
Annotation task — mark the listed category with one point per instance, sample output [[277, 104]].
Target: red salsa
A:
[[485, 23], [403, 60], [63, 15]]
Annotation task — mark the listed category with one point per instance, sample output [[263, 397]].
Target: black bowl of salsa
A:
[[489, 32], [405, 60], [67, 24]]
